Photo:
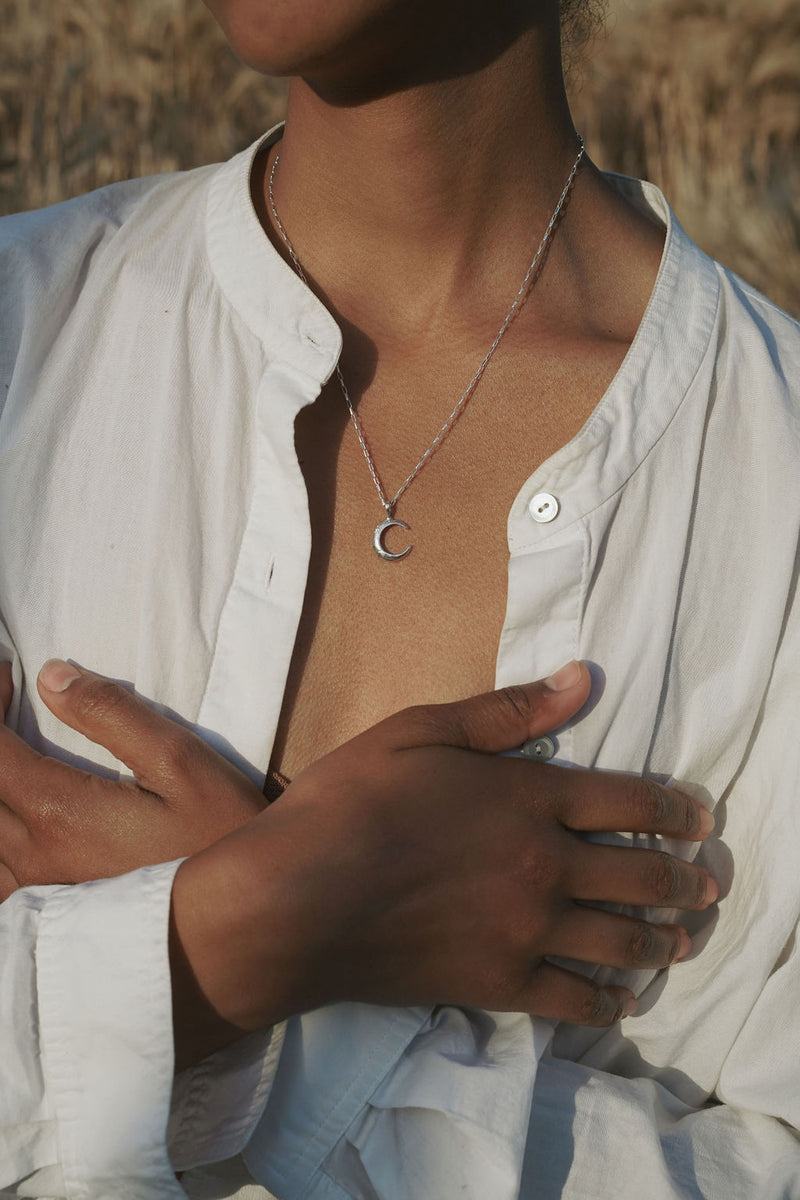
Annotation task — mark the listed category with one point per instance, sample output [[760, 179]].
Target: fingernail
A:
[[707, 821], [684, 946], [565, 678], [56, 675], [712, 890]]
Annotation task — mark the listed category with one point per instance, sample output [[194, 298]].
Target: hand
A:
[[413, 866], [62, 825]]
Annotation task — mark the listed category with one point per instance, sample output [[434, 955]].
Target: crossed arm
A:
[[411, 866]]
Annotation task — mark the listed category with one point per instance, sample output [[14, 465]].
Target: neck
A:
[[433, 195]]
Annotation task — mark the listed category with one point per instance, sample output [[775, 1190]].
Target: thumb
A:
[[501, 720]]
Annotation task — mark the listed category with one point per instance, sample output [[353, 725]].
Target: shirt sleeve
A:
[[594, 1135], [373, 1101], [366, 1106], [87, 1052]]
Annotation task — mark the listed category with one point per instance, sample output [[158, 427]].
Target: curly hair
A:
[[581, 20]]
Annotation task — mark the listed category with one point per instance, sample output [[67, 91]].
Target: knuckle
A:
[[180, 753], [421, 723], [690, 815], [595, 1008], [517, 702], [651, 803], [542, 877], [667, 877], [515, 920], [504, 981], [99, 700], [557, 792], [641, 944], [700, 888], [61, 805]]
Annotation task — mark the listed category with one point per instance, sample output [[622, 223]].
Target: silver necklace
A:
[[390, 503]]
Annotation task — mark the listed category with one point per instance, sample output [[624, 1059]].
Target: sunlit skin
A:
[[381, 875], [415, 197], [425, 146], [431, 139]]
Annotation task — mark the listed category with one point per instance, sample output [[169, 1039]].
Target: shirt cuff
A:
[[216, 1104], [105, 1010]]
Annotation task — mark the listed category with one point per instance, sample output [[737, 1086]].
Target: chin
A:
[[299, 37]]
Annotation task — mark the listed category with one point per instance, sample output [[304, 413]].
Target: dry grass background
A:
[[701, 96]]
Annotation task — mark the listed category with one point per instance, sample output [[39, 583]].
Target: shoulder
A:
[[49, 256], [713, 325], [42, 239], [757, 348], [756, 324]]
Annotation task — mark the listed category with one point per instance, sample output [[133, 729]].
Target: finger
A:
[[30, 786], [496, 721], [591, 935], [562, 995], [628, 875], [6, 688], [606, 800], [19, 765], [59, 824], [152, 747], [35, 786]]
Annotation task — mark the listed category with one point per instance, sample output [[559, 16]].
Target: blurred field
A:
[[701, 96]]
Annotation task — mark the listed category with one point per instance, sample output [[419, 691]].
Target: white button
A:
[[543, 507], [541, 748]]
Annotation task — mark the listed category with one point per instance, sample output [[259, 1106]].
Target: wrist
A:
[[224, 980]]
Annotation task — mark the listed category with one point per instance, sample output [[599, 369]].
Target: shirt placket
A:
[[259, 620], [547, 575]]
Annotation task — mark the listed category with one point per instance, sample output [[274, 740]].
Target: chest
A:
[[378, 635]]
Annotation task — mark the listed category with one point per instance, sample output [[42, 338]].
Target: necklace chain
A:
[[389, 504]]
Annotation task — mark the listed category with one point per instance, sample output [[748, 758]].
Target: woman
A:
[[227, 517]]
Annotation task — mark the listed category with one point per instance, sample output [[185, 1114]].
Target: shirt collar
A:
[[664, 357], [280, 310], [656, 375]]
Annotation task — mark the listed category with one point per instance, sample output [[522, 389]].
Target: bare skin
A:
[[410, 866], [429, 142], [433, 201]]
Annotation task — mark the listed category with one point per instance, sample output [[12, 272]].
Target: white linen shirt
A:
[[154, 352]]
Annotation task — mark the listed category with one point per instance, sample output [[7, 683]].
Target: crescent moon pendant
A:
[[377, 540]]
